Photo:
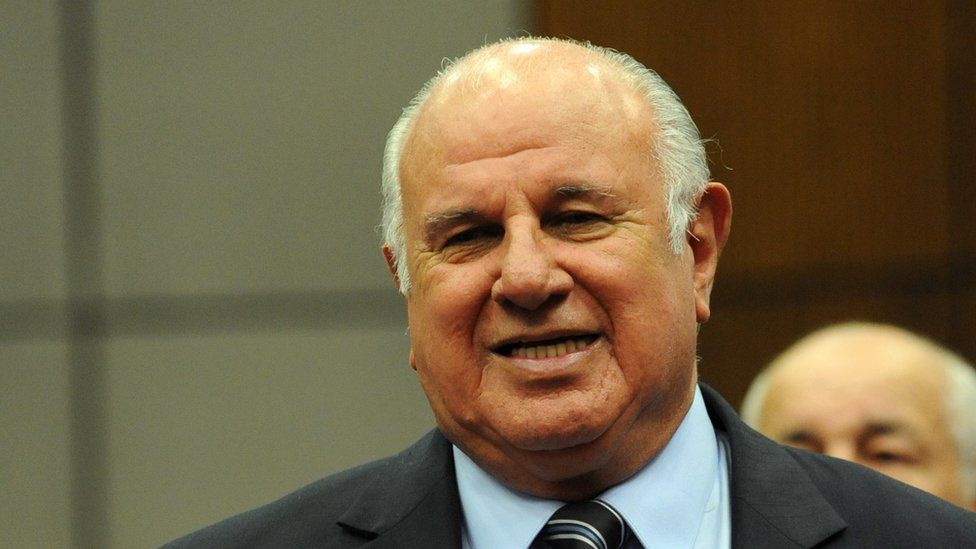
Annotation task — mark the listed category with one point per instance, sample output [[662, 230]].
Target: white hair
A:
[[960, 404], [677, 148], [959, 397]]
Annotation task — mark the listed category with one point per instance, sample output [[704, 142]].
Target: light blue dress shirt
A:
[[679, 500]]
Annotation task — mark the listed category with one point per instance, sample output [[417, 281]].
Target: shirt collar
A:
[[663, 502]]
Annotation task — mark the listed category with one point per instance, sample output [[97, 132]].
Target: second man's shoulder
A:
[[876, 506]]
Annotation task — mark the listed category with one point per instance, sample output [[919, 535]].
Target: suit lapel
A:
[[412, 503], [774, 502]]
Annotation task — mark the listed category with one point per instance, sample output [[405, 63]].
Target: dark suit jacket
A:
[[780, 498]]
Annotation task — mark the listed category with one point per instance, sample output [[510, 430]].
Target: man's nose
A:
[[529, 274]]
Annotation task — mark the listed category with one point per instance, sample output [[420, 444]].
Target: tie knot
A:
[[590, 524]]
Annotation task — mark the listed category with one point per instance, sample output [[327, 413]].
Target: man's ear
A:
[[707, 236], [413, 361], [391, 264]]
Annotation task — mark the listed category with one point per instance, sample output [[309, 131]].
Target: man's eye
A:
[[474, 234], [577, 218], [888, 457], [578, 225]]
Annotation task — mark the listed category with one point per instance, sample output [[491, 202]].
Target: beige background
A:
[[194, 316]]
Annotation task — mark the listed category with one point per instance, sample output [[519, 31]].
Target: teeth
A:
[[551, 350]]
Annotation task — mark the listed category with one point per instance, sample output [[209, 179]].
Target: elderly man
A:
[[549, 220], [879, 396]]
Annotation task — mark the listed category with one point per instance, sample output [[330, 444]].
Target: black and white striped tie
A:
[[583, 525]]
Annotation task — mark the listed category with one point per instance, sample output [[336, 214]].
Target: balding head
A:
[[486, 73], [520, 79], [877, 395], [553, 316]]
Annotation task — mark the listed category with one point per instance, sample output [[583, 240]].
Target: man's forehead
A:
[[855, 409], [877, 355], [523, 96], [506, 97], [838, 372], [528, 69], [506, 64], [859, 385]]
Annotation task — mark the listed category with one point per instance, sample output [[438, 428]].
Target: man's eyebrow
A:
[[798, 435], [436, 222], [882, 427], [578, 190]]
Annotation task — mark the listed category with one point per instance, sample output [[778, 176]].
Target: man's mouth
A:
[[549, 348]]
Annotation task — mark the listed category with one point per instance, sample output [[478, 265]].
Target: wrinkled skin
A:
[[873, 397], [535, 217]]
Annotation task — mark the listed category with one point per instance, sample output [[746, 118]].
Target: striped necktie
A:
[[583, 525]]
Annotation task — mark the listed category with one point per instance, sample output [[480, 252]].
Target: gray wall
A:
[[194, 315]]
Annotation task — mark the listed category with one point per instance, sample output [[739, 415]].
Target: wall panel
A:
[[203, 426], [31, 227], [35, 510]]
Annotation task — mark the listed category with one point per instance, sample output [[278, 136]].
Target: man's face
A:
[[871, 407], [552, 328]]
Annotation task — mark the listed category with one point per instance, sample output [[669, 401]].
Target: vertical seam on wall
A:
[[88, 471]]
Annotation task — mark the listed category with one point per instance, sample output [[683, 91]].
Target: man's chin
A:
[[553, 463], [551, 442], [554, 427]]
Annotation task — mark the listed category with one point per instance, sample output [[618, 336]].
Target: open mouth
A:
[[550, 348]]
